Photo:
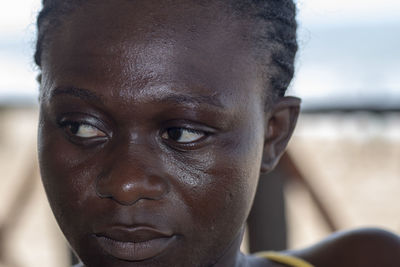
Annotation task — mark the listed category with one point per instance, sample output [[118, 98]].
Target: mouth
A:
[[134, 244]]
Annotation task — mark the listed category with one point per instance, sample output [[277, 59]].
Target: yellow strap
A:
[[284, 259]]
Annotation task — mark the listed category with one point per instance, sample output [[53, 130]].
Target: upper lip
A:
[[134, 234]]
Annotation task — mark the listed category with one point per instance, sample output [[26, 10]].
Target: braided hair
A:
[[273, 40]]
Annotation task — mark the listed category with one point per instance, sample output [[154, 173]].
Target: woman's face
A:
[[151, 133]]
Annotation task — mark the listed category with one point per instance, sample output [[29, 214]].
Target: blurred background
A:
[[342, 169]]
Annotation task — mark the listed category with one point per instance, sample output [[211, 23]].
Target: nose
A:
[[129, 179]]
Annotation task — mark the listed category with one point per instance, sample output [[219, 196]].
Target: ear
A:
[[280, 122]]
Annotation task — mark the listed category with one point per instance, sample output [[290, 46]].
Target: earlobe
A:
[[279, 126]]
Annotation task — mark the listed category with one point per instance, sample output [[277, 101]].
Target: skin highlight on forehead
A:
[[269, 28], [175, 56]]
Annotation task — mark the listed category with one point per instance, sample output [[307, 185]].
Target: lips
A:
[[134, 243]]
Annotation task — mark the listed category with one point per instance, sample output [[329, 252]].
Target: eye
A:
[[83, 130], [183, 135]]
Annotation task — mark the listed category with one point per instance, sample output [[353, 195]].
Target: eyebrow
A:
[[210, 100], [81, 93], [172, 98]]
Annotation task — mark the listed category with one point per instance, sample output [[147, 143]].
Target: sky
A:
[[349, 52], [317, 13]]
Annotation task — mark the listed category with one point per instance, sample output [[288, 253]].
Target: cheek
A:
[[68, 182], [219, 184], [237, 170]]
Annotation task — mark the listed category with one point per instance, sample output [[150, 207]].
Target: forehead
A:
[[140, 43]]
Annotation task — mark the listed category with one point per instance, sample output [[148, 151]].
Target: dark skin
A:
[[153, 130]]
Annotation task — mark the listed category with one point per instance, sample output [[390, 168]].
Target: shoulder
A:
[[364, 247]]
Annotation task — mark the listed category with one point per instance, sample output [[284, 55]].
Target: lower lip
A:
[[131, 251]]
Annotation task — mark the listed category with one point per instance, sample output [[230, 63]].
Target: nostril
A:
[[127, 190]]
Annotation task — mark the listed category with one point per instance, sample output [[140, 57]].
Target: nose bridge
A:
[[133, 173]]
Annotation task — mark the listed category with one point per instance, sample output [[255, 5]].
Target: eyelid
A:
[[189, 125], [84, 119]]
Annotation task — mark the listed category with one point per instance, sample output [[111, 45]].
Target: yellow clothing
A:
[[284, 259]]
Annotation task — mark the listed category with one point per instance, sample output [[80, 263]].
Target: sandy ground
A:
[[352, 161]]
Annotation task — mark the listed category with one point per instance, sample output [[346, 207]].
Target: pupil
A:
[[174, 133], [74, 127]]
